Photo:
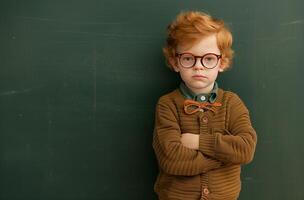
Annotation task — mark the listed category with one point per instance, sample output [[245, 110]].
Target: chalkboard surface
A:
[[79, 81]]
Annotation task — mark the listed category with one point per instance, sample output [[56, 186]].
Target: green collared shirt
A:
[[187, 93]]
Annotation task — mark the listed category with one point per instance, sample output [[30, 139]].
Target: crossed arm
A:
[[173, 157], [235, 145], [191, 154]]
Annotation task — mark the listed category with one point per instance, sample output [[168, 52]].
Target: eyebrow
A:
[[197, 54]]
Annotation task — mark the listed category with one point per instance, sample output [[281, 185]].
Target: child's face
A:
[[198, 78]]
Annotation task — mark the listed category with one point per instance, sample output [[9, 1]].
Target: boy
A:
[[202, 134]]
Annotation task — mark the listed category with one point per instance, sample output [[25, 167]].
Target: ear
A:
[[223, 66], [173, 63]]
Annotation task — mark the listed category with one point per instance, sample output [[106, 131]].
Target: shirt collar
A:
[[187, 93]]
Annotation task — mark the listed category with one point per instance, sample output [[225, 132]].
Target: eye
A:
[[187, 58], [210, 58]]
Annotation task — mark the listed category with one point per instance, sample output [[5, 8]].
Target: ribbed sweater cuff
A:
[[207, 144]]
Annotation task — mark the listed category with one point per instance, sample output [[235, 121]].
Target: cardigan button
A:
[[205, 119], [206, 191]]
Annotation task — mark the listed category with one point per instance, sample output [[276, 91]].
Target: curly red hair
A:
[[189, 27]]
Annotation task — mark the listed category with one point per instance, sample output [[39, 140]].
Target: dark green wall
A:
[[79, 81]]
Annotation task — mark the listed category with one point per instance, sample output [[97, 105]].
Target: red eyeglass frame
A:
[[196, 57]]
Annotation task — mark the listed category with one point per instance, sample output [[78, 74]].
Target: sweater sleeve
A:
[[173, 158], [235, 145]]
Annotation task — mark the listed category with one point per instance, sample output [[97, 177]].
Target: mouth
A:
[[199, 77]]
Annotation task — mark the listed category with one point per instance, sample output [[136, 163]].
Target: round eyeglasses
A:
[[188, 60]]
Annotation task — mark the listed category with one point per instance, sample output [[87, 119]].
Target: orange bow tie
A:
[[191, 106]]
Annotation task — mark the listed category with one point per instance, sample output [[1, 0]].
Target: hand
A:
[[190, 140]]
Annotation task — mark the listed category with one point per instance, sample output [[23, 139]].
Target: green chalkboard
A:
[[79, 81]]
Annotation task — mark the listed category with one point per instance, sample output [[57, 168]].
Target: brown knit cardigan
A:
[[227, 141]]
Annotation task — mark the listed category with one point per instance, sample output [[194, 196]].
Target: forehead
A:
[[201, 46]]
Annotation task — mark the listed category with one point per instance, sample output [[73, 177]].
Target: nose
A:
[[198, 65]]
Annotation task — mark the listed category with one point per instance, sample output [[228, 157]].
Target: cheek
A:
[[213, 75], [185, 75]]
